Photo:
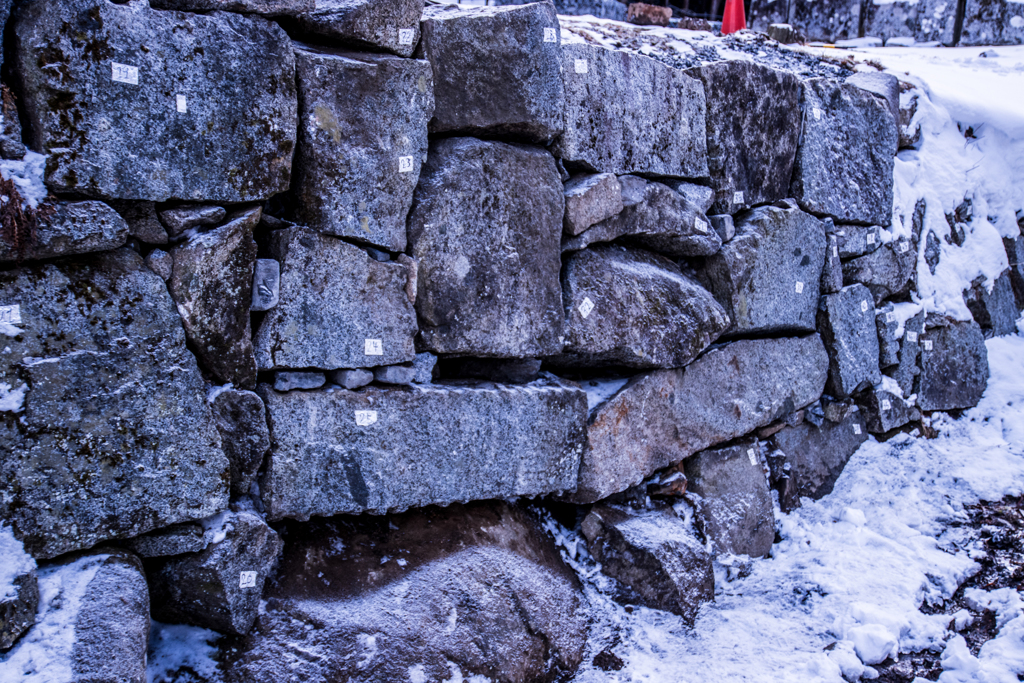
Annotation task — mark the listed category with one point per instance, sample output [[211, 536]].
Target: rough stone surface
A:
[[992, 22], [216, 588], [485, 231], [478, 587], [373, 24], [642, 14], [161, 263], [591, 198], [995, 311], [888, 344], [846, 322], [832, 270], [668, 415], [655, 217], [74, 228], [1015, 256], [888, 272], [824, 21], [496, 70], [350, 379], [885, 411], [751, 148], [110, 138], [724, 226], [266, 284], [857, 240], [815, 455], [362, 139], [924, 20], [604, 9], [176, 539], [954, 371], [242, 422], [19, 603], [181, 219], [143, 223], [135, 410], [627, 113], [768, 276], [655, 555], [734, 508], [642, 311], [908, 369], [211, 283], [287, 380], [845, 161], [881, 85], [268, 8], [384, 449], [424, 365], [334, 302], [394, 374]]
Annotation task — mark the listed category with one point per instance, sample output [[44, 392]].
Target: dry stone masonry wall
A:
[[331, 302]]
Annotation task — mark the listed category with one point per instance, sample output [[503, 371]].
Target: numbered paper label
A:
[[124, 73], [856, 429], [10, 314], [373, 347], [904, 247], [863, 306], [886, 405], [182, 104], [817, 114], [365, 418], [835, 252], [871, 238], [406, 35], [752, 456], [405, 164], [550, 35], [700, 225], [927, 344], [247, 580], [586, 307], [799, 288], [737, 197], [581, 66], [890, 317], [911, 337]]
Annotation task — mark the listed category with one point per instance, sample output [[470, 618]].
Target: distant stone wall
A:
[[302, 264]]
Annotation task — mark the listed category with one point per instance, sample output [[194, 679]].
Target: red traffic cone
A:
[[734, 18]]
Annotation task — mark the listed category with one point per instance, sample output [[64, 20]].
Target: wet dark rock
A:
[[846, 322], [1015, 256], [73, 228], [954, 366], [242, 422]]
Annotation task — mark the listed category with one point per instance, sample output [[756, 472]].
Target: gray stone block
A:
[[242, 422], [267, 8], [734, 508], [923, 20], [287, 380], [177, 539], [338, 308], [390, 25], [954, 366], [112, 389], [655, 555], [1015, 256], [724, 226], [476, 589], [992, 22], [845, 161], [751, 147], [195, 107], [832, 270], [424, 364], [143, 223], [350, 379], [74, 228], [394, 374], [266, 284], [883, 85], [889, 272], [391, 449], [485, 231], [627, 113], [362, 139], [885, 411], [630, 307], [211, 283], [908, 368], [591, 198], [496, 70], [888, 344], [827, 21], [181, 219], [768, 276], [161, 263], [666, 416], [846, 322], [857, 240], [996, 310]]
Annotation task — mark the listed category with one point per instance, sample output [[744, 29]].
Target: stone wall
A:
[[322, 289]]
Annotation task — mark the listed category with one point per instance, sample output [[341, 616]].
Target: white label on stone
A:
[[581, 66], [903, 247], [856, 429], [911, 337], [890, 317], [586, 307], [737, 197], [871, 238], [799, 288], [752, 456], [373, 347], [700, 225], [863, 306], [817, 114], [123, 73], [886, 405], [550, 35], [365, 418], [835, 252], [247, 580], [927, 344], [10, 314], [405, 164], [405, 36], [182, 103]]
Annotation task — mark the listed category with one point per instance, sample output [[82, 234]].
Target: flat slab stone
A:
[[375, 598], [104, 383], [485, 230], [627, 113], [846, 322], [496, 70], [735, 505], [633, 308], [338, 307], [362, 139], [74, 228], [384, 449], [954, 366], [666, 416], [157, 105], [767, 277], [751, 148], [390, 25], [845, 161]]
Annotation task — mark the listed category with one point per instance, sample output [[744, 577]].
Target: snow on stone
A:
[[600, 391], [173, 647], [14, 561], [28, 177], [12, 400]]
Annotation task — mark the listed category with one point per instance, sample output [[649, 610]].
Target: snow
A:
[[14, 562], [216, 528], [174, 646], [12, 400], [600, 391], [28, 177]]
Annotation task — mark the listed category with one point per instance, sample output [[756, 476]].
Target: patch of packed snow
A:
[[600, 391], [28, 175], [216, 528], [14, 561], [174, 647], [12, 400]]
